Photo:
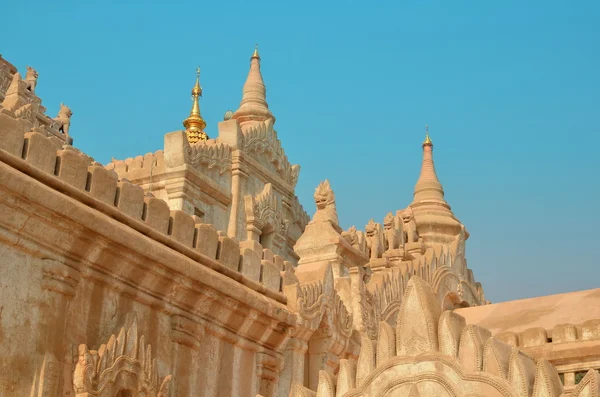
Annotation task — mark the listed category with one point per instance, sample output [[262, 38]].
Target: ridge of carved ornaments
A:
[[20, 100], [265, 209], [261, 138], [125, 362], [435, 353], [208, 153], [319, 299]]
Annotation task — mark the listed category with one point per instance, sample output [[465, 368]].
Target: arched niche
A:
[[316, 356], [267, 234]]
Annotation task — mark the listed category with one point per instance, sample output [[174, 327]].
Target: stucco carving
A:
[[319, 297], [393, 236], [325, 202], [31, 78], [125, 362], [356, 239], [214, 304], [209, 154], [260, 139], [417, 360], [63, 119], [409, 226], [264, 214], [374, 239]]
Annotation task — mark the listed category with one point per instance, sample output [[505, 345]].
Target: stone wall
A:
[[86, 253]]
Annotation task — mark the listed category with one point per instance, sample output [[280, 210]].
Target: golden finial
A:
[[255, 54], [427, 141], [197, 90], [195, 124]]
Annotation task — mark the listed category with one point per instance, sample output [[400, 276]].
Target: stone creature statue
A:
[[355, 238], [325, 201], [351, 236], [31, 78], [294, 174], [409, 226], [374, 240], [64, 119], [392, 237]]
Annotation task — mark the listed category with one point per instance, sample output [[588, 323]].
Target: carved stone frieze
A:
[[125, 362]]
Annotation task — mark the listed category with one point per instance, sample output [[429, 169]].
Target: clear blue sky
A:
[[510, 90]]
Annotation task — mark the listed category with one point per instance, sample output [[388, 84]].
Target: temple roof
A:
[[544, 311]]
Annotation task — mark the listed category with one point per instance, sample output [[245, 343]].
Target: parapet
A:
[[561, 333], [71, 172]]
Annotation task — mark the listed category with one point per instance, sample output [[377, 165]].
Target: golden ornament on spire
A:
[[427, 141], [195, 124], [255, 54]]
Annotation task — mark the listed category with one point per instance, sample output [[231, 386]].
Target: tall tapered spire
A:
[[428, 186], [195, 124], [434, 217], [253, 106]]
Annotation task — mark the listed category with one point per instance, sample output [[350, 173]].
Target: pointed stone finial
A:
[[253, 106], [195, 124], [433, 215], [428, 180]]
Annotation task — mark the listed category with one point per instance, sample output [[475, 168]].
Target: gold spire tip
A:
[[255, 54], [197, 90], [195, 124], [427, 141]]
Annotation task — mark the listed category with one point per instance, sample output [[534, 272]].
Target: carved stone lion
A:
[[64, 119], [409, 226], [325, 202], [374, 240], [392, 237], [351, 236], [31, 78]]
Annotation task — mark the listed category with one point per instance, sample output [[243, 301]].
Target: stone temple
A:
[[195, 271]]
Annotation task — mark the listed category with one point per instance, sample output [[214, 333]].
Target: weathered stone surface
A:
[[165, 272], [39, 152]]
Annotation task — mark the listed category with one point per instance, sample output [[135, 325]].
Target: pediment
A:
[[260, 142]]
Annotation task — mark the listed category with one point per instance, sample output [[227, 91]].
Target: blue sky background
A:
[[510, 90]]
